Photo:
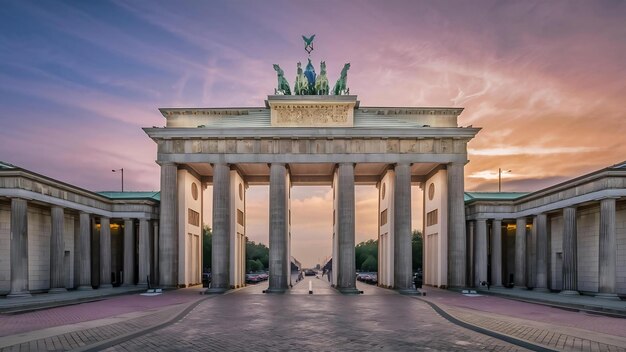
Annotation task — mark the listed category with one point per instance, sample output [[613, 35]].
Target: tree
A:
[[370, 264], [363, 251], [207, 237], [417, 244], [257, 256]]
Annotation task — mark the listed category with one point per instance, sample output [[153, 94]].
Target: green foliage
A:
[[257, 256], [370, 264], [207, 237], [363, 252], [417, 245], [254, 265]]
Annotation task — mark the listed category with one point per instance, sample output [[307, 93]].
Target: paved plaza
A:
[[248, 319]]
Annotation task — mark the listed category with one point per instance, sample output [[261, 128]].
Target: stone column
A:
[[19, 248], [456, 226], [496, 253], [481, 252], [105, 253], [607, 250], [542, 253], [155, 252], [144, 252], [168, 237], [570, 250], [220, 242], [129, 252], [469, 249], [346, 275], [403, 255], [278, 280], [520, 253], [57, 251], [84, 270]]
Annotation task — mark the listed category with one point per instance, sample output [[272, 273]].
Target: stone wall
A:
[[39, 231], [588, 232]]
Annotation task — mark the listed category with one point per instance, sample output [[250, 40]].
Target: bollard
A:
[[310, 287]]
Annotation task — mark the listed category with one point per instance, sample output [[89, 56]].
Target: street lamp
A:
[[122, 171], [500, 171]]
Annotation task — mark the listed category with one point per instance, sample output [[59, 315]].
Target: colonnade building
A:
[[55, 236], [568, 238]]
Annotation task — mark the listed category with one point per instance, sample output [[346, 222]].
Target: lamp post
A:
[[122, 171], [500, 178]]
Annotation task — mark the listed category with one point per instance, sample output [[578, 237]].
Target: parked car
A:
[[253, 278], [309, 272], [372, 278]]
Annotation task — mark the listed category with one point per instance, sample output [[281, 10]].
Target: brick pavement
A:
[[378, 320]]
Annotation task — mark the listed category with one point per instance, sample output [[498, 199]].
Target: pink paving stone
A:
[[109, 307], [530, 311]]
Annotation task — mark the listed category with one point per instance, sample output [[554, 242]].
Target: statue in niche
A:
[[301, 87], [283, 85], [321, 84], [341, 87]]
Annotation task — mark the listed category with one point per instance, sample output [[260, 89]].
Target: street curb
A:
[[499, 336], [131, 335]]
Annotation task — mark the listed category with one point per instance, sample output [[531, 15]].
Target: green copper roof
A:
[[6, 166], [504, 196], [132, 195]]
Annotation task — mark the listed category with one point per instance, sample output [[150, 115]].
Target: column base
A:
[[23, 294], [215, 291], [103, 286], [349, 291], [275, 290], [142, 285], [611, 296], [128, 285], [57, 290], [569, 293], [541, 289], [411, 292], [520, 288], [84, 288]]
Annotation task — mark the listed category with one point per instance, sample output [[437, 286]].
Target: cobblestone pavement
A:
[[247, 320], [244, 321], [550, 327]]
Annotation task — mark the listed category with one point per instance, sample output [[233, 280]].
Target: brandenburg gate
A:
[[311, 139]]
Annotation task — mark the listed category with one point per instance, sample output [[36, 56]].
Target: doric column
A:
[[496, 253], [481, 252], [520, 253], [220, 242], [541, 278], [129, 252], [403, 255], [168, 237], [456, 226], [144, 252], [607, 250], [105, 253], [278, 280], [19, 248], [469, 249], [84, 270], [346, 275], [57, 250], [155, 252], [570, 250]]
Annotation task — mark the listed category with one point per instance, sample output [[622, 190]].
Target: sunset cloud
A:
[[542, 79]]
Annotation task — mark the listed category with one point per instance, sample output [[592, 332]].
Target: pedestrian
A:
[[328, 274]]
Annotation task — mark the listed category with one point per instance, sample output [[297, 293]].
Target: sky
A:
[[545, 80]]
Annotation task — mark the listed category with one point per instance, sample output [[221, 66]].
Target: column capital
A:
[[165, 163], [346, 163]]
